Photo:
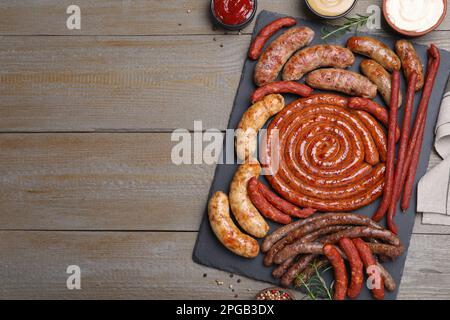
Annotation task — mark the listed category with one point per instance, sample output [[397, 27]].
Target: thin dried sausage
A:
[[265, 33]]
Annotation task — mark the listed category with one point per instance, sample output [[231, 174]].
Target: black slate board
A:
[[210, 252]]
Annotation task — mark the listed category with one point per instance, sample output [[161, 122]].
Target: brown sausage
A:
[[264, 207], [389, 282], [279, 51], [410, 62], [279, 271], [356, 266], [380, 77], [374, 109], [344, 81], [340, 272], [390, 163], [416, 141], [226, 231], [283, 205], [281, 87], [369, 262], [265, 33], [376, 50], [268, 259], [324, 220], [295, 269], [253, 119], [356, 232], [316, 57]]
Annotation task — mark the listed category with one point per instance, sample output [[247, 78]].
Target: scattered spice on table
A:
[[273, 294]]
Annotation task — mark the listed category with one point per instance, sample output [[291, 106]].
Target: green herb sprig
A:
[[351, 23], [316, 287]]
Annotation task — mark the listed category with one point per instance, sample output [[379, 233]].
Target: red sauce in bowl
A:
[[233, 12]]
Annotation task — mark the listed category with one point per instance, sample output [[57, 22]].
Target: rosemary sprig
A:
[[351, 22], [315, 286]]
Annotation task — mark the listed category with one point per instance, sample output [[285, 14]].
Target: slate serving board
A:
[[210, 252]]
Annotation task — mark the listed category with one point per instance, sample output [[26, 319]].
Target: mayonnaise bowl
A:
[[414, 18]]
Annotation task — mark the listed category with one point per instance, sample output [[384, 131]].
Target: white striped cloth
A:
[[433, 198]]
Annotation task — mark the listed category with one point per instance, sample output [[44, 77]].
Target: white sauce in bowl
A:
[[414, 15]]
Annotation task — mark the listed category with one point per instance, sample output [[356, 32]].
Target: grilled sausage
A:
[[279, 51], [410, 62], [315, 57], [281, 87], [252, 121], [226, 231], [344, 81], [356, 266], [376, 50], [380, 77], [340, 272], [264, 206], [242, 207]]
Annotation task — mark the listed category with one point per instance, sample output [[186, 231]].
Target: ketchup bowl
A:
[[233, 14]]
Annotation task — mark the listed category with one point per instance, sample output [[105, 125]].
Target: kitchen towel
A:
[[433, 197]]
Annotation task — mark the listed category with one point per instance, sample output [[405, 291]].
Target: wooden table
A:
[[86, 176]]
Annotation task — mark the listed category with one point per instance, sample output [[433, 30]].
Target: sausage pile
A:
[[326, 153], [330, 157], [337, 236]]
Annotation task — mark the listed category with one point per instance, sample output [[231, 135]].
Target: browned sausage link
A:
[[366, 232], [276, 241], [376, 50], [331, 220], [265, 33], [380, 77], [315, 57], [389, 282], [279, 51], [374, 109], [378, 135], [356, 232], [386, 250], [264, 207], [279, 271], [281, 87], [410, 62], [295, 269], [344, 81], [283, 205], [340, 272], [280, 233]]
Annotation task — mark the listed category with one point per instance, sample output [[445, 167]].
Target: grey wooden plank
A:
[[122, 83], [98, 182], [138, 17], [147, 265], [117, 83], [427, 270]]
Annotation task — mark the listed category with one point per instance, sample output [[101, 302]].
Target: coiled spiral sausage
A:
[[327, 158]]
